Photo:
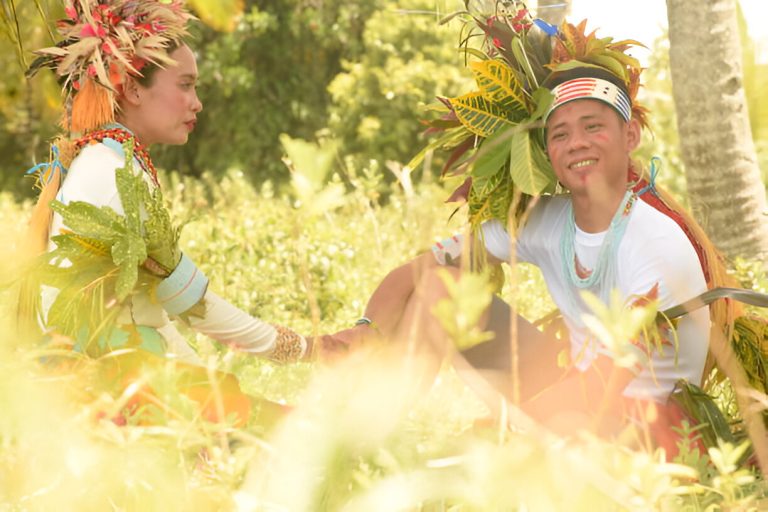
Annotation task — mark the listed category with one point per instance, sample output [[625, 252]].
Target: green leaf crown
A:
[[494, 135]]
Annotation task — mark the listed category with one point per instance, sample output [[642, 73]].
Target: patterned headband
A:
[[591, 88]]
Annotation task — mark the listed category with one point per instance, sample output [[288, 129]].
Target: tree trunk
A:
[[724, 183], [553, 11]]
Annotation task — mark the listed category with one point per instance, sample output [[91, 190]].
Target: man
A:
[[597, 238]]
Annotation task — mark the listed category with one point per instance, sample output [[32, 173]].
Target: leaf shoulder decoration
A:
[[103, 258]]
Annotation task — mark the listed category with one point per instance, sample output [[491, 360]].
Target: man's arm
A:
[[389, 300]]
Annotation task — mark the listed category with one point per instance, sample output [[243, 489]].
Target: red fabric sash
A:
[[651, 198]]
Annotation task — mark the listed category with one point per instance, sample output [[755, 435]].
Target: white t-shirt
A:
[[91, 178], [654, 250]]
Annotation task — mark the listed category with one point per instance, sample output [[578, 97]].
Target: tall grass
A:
[[360, 434]]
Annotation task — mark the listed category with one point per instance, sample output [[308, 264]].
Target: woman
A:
[[129, 81]]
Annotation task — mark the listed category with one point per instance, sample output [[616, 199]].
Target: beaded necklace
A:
[[121, 135], [604, 272]]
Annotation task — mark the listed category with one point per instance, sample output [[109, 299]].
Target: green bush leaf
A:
[[219, 14]]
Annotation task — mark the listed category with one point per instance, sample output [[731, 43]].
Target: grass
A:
[[352, 436]]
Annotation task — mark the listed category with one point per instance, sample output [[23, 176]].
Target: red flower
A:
[[71, 12], [521, 27], [88, 31], [497, 42], [138, 63], [650, 296]]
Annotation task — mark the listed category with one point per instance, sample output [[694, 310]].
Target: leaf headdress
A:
[[104, 42], [494, 135]]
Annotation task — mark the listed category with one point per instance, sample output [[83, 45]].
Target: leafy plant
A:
[[104, 257]]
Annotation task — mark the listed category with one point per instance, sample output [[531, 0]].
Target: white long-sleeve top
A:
[[91, 178]]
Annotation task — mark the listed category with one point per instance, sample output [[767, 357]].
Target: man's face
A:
[[169, 105], [589, 146]]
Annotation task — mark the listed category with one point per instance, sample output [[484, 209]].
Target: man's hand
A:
[[329, 346]]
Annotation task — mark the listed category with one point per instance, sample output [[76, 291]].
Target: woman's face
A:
[[165, 111]]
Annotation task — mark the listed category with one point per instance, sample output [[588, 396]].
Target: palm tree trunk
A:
[[724, 183]]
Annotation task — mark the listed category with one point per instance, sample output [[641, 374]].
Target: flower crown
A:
[[494, 135], [103, 42]]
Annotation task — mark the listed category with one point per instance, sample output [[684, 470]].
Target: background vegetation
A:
[[354, 78]]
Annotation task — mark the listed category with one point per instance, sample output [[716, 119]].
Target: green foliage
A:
[[218, 14], [617, 325], [248, 243], [406, 61], [266, 77], [357, 437], [98, 262], [459, 313], [28, 109]]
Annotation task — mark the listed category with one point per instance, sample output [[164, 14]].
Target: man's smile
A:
[[582, 163]]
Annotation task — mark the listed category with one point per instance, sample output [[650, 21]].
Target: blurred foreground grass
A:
[[358, 435]]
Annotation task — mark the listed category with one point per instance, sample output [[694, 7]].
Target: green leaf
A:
[[526, 175], [128, 253], [161, 236], [492, 153], [521, 56], [609, 62], [449, 139], [490, 197], [542, 163], [460, 313], [617, 325], [573, 64], [329, 198], [129, 185], [499, 85], [469, 51], [501, 198], [542, 98], [310, 164], [479, 115], [91, 221], [219, 14]]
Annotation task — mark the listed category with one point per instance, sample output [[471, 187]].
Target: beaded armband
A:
[[289, 346]]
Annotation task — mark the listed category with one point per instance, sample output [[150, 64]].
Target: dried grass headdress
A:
[[103, 42]]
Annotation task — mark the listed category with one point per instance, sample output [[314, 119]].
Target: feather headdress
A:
[[103, 42]]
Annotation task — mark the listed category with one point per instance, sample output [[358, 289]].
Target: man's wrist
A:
[[364, 320]]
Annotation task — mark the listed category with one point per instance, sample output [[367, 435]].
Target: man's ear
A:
[[634, 134], [131, 91]]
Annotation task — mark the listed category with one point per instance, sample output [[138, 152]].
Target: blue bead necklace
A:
[[604, 272]]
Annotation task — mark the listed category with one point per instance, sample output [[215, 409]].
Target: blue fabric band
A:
[[183, 288]]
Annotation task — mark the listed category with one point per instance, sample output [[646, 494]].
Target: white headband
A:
[[591, 88]]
